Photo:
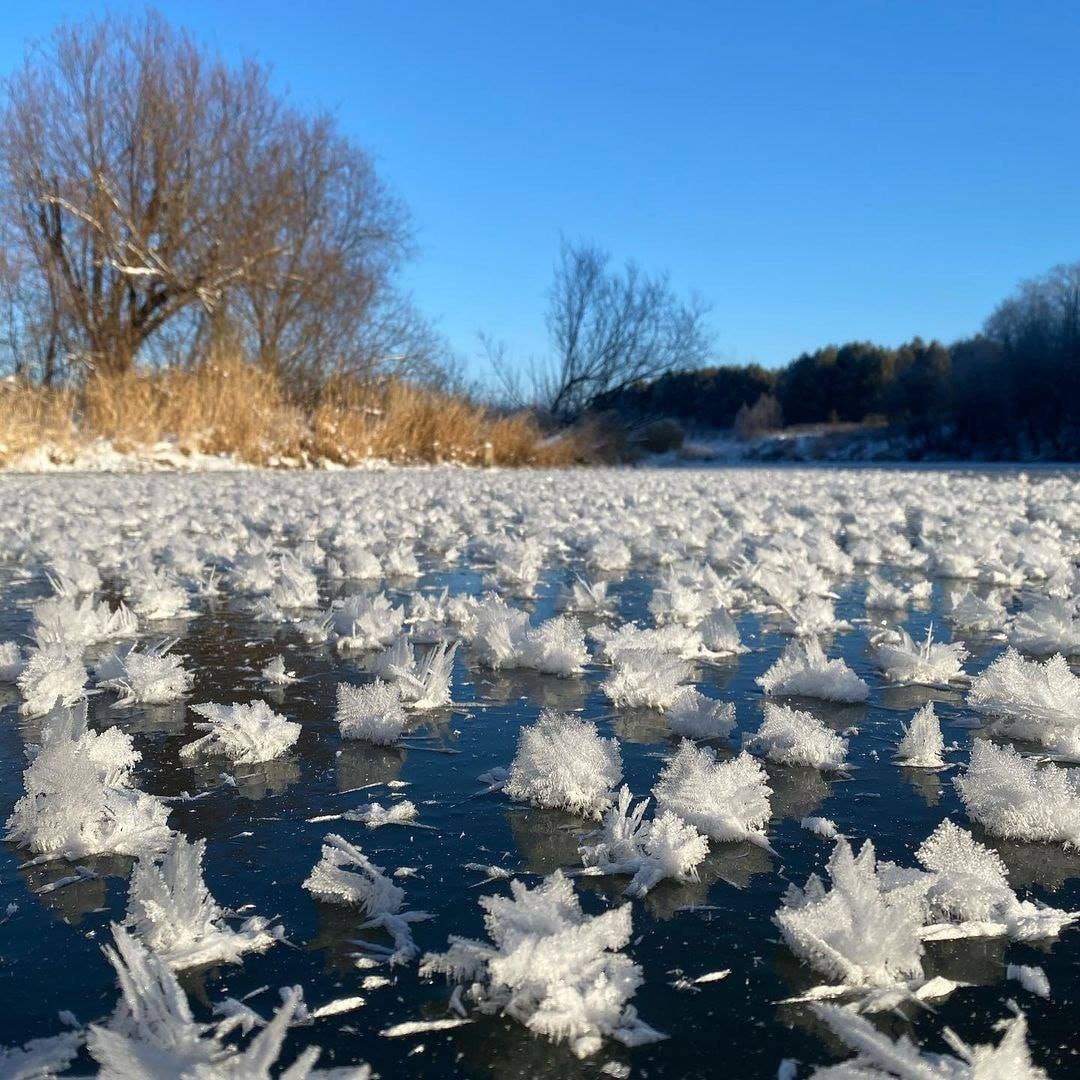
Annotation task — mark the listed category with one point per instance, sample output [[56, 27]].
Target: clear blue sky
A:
[[817, 171]]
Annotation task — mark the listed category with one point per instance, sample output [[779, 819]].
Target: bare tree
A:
[[609, 329], [154, 187]]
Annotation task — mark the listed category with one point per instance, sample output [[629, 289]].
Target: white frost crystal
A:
[[151, 676], [152, 1032], [559, 972], [372, 712], [172, 912], [11, 661], [854, 932], [246, 734], [79, 798], [1038, 702], [793, 737], [805, 671], [726, 800], [648, 851], [967, 890], [928, 663], [50, 678], [922, 744], [646, 679], [1012, 796], [879, 1058], [695, 716], [345, 875], [563, 763]]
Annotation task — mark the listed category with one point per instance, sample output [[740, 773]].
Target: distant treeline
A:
[[1013, 390]]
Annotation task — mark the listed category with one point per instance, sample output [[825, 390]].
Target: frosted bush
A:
[[373, 712], [1046, 626], [554, 969], [647, 851], [726, 800], [879, 1058], [928, 663], [695, 716], [854, 932], [804, 671], [11, 661], [563, 763], [173, 914], [79, 799], [244, 733], [345, 875], [50, 679], [646, 679], [152, 676], [792, 737], [922, 743], [1012, 796], [1039, 702], [967, 892]]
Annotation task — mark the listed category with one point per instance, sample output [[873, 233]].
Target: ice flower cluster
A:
[[79, 797], [246, 734], [793, 737], [345, 875], [549, 966], [647, 851], [726, 800], [805, 671], [563, 763]]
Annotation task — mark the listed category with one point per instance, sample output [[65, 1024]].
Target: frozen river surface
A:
[[237, 570]]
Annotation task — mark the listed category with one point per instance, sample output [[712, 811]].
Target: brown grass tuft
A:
[[228, 406]]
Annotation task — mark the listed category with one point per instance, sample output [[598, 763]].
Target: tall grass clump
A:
[[229, 406]]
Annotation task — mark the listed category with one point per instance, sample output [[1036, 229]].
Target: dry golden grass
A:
[[31, 416], [227, 406]]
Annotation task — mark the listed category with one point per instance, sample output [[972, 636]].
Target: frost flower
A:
[[922, 744], [554, 969], [726, 800], [345, 875], [173, 913], [804, 671], [791, 737], [246, 734], [563, 763]]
